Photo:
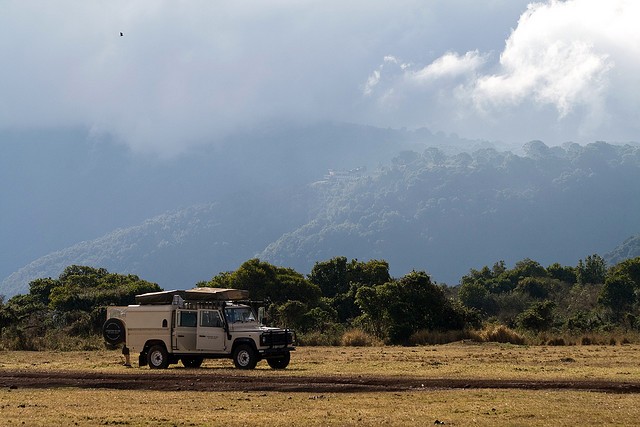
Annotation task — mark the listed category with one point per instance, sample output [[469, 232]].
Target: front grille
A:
[[277, 338]]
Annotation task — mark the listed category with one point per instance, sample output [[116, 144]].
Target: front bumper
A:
[[277, 342]]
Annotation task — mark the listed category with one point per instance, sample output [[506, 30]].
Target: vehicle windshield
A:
[[239, 315]]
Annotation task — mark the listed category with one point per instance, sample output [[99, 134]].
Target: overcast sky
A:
[[188, 72]]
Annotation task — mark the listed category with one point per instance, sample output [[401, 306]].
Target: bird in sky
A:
[[121, 34]]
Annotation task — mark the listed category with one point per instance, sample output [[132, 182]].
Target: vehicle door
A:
[[186, 330], [211, 334]]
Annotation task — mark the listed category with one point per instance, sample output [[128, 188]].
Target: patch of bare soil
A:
[[200, 380]]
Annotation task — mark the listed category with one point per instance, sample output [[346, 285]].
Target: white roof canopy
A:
[[195, 294]]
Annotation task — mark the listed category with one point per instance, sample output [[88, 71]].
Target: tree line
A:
[[341, 295]]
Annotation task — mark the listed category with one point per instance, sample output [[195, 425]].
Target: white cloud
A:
[[186, 73], [450, 65], [578, 57], [372, 81], [553, 58], [561, 73]]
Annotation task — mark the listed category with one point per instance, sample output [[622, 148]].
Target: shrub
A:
[[317, 338], [600, 339], [60, 341], [557, 341], [359, 338], [427, 337], [501, 334], [538, 317]]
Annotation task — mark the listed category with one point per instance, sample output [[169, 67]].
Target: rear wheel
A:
[[157, 357], [279, 362], [245, 357], [192, 361]]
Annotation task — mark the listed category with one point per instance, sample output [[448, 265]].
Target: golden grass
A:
[[68, 406], [453, 407], [456, 360], [475, 361]]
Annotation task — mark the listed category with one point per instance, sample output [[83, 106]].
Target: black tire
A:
[[279, 362], [113, 332], [157, 357], [245, 357], [192, 361]]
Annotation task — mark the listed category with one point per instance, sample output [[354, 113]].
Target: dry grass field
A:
[[471, 405]]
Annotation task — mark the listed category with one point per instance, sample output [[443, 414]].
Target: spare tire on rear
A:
[[113, 331]]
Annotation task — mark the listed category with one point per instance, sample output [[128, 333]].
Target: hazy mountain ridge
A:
[[176, 249], [64, 186], [630, 248], [449, 213], [434, 209]]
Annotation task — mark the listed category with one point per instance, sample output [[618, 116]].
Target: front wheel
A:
[[279, 362], [157, 357], [245, 357]]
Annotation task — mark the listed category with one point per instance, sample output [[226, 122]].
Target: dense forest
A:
[[359, 303]]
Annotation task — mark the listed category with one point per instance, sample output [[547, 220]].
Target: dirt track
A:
[[200, 380]]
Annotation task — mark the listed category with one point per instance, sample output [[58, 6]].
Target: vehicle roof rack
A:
[[193, 295]]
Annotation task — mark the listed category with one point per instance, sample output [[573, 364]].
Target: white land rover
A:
[[192, 325]]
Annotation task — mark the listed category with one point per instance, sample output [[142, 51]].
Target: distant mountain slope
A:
[[630, 248], [63, 186], [449, 213], [430, 210], [176, 249]]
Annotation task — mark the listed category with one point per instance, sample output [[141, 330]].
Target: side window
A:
[[210, 318], [188, 318]]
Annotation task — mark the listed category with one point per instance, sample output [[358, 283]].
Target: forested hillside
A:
[[178, 248], [87, 186], [449, 213], [441, 212]]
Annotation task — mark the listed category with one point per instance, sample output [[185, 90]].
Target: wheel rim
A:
[[156, 358], [244, 358]]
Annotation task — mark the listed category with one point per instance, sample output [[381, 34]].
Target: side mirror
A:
[[262, 319]]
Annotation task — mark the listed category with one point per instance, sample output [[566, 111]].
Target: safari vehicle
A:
[[193, 325]]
